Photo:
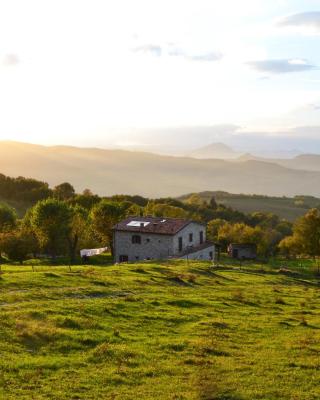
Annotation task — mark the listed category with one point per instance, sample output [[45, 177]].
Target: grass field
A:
[[159, 331], [284, 207]]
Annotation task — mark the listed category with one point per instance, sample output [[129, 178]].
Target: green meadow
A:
[[160, 330]]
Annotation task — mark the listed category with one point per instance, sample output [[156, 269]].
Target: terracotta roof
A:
[[163, 226]]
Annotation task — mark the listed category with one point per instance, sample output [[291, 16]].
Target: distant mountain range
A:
[[308, 162], [215, 150], [108, 172], [222, 151]]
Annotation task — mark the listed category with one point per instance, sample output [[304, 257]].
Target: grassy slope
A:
[[284, 207], [158, 331]]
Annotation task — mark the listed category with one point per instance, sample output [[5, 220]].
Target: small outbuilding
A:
[[242, 251]]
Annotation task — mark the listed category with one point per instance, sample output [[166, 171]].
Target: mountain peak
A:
[[214, 150]]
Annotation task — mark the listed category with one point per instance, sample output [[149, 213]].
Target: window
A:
[[180, 244], [123, 258], [190, 237], [201, 237], [136, 239], [137, 257], [211, 255], [147, 240]]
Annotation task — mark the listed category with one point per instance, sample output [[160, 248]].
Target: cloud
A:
[[214, 56], [150, 49], [171, 51], [208, 56], [307, 19], [281, 66], [315, 107], [10, 60]]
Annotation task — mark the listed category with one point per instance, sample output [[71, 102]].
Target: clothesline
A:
[[92, 252]]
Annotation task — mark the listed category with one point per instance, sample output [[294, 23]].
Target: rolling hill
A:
[[307, 162], [108, 172], [289, 208]]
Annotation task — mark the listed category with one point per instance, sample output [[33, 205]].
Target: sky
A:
[[147, 73]]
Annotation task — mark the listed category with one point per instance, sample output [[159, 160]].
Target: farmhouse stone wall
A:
[[193, 228], [153, 246]]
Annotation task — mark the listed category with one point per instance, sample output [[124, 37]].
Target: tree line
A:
[[61, 221]]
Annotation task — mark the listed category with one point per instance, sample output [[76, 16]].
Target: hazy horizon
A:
[[106, 74]]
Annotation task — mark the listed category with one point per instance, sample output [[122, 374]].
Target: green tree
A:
[[79, 228], [8, 218], [213, 228], [50, 220], [195, 200], [84, 200], [164, 210], [64, 191], [213, 204], [17, 244], [104, 216], [307, 232], [290, 246], [284, 227], [266, 240]]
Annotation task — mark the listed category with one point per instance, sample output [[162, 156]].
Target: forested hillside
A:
[[289, 208]]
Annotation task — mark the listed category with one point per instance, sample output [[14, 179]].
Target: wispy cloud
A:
[[173, 51], [204, 56], [150, 49], [281, 66], [10, 60], [307, 19]]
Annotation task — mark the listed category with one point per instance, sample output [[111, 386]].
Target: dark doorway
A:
[[201, 237], [180, 244]]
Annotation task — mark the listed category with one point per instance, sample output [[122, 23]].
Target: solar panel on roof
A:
[[138, 223]]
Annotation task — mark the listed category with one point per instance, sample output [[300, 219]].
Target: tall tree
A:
[[213, 204], [213, 228], [306, 231], [79, 227], [104, 216], [50, 220]]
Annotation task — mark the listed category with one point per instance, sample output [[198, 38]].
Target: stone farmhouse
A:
[[149, 238]]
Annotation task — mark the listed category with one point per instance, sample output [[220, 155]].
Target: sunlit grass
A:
[[164, 330]]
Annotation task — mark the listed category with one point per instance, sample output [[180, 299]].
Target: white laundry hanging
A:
[[92, 252]]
